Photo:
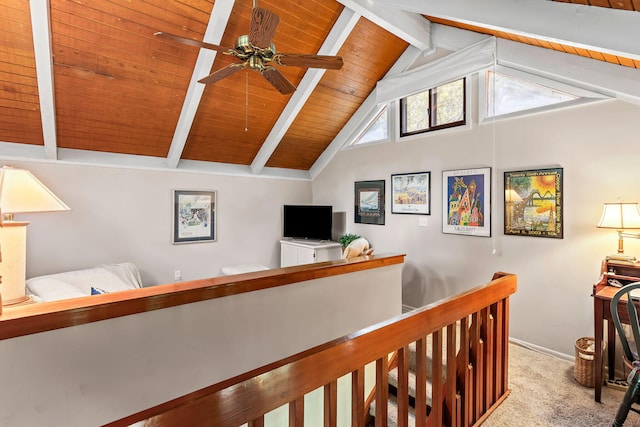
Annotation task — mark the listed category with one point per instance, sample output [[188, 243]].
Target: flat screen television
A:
[[311, 222]]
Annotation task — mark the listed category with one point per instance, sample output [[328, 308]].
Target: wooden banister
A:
[[461, 395], [30, 319]]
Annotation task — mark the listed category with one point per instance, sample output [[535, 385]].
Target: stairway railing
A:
[[468, 383]]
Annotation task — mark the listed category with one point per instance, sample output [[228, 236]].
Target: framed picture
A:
[[369, 202], [411, 193], [533, 203], [194, 216], [466, 204]]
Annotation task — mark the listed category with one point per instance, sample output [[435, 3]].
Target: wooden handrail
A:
[[47, 316], [462, 395]]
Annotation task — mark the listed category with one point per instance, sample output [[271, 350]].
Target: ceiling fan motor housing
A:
[[244, 46], [249, 50]]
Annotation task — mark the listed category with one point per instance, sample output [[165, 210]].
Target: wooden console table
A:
[[618, 272]]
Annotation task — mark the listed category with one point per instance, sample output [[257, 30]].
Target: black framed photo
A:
[[411, 193], [533, 203], [369, 202], [194, 216]]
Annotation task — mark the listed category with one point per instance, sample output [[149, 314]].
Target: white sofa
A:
[[72, 284]]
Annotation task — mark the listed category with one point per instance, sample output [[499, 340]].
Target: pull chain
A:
[[246, 101], [246, 90]]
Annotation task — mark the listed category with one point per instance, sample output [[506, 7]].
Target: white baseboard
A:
[[407, 308], [534, 347], [569, 358]]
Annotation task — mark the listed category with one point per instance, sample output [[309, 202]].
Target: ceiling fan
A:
[[257, 52]]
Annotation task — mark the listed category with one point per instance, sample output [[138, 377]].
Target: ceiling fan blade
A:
[[278, 81], [309, 61], [192, 42], [222, 73], [263, 27]]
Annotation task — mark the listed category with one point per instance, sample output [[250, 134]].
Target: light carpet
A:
[[544, 393]]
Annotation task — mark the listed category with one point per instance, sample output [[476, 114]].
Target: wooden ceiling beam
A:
[[336, 38], [594, 76], [213, 34], [41, 28], [362, 117], [611, 31], [410, 27]]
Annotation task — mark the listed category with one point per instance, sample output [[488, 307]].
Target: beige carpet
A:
[[545, 394]]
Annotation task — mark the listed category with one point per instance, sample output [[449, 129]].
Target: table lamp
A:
[[621, 216], [20, 192]]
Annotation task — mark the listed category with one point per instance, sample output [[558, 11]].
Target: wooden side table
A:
[[613, 273]]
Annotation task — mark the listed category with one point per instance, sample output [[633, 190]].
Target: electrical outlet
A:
[[422, 221], [177, 275]]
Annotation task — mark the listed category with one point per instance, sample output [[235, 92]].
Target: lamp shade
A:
[[620, 216], [21, 192]]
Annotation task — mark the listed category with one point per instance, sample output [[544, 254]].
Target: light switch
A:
[[422, 221]]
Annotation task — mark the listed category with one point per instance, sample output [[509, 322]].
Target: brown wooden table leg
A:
[[598, 320], [611, 349]]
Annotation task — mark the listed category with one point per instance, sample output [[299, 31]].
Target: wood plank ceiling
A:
[[119, 89], [115, 88], [611, 4], [19, 105], [632, 5], [587, 53]]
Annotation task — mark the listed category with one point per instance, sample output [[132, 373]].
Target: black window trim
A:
[[431, 109]]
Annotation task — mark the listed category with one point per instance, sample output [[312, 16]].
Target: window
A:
[[436, 108], [507, 94], [378, 129]]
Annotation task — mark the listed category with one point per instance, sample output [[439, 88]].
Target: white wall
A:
[[596, 145], [91, 374], [125, 215], [120, 214]]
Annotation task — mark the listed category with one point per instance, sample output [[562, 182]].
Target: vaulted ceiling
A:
[[87, 81]]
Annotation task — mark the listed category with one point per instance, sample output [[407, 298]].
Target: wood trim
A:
[[47, 316], [437, 395], [421, 378], [403, 386], [331, 404], [357, 398], [296, 412], [382, 391]]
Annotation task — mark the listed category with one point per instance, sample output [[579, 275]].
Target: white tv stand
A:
[[297, 252]]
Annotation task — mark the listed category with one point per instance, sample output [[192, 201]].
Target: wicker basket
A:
[[584, 368]]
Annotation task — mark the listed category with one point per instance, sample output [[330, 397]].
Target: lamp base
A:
[[621, 257], [13, 243], [17, 301]]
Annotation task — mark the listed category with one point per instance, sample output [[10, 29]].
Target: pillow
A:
[[110, 278], [50, 289], [97, 291]]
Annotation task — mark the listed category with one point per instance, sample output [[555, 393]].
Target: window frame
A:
[[431, 109], [374, 118], [585, 96]]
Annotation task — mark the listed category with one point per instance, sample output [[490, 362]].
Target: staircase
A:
[[394, 386], [393, 379], [403, 384]]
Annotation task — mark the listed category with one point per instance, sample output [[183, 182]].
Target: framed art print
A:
[[466, 204], [194, 216], [411, 193], [369, 202], [533, 203]]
